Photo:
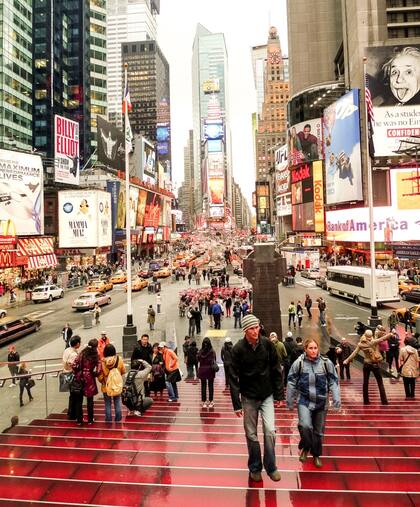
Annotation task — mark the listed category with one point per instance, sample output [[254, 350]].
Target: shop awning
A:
[[42, 261]]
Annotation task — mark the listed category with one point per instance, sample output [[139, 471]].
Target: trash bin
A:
[[157, 287], [88, 320], [418, 325]]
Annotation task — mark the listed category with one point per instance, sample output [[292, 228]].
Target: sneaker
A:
[[211, 404], [12, 385], [136, 412], [204, 404], [255, 476], [303, 456], [275, 476]]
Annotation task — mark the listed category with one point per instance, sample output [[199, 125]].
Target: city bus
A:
[[355, 283]]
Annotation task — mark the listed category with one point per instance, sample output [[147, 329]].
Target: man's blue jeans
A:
[[108, 408], [172, 390], [311, 428], [251, 409]]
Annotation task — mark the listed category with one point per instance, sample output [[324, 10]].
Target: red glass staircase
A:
[[179, 454]]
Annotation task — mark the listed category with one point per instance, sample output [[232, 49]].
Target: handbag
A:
[[399, 369], [76, 386], [64, 381], [215, 367], [173, 376], [30, 383]]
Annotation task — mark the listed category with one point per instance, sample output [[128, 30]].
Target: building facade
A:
[[16, 74], [271, 131], [240, 208], [211, 123], [127, 21], [186, 192]]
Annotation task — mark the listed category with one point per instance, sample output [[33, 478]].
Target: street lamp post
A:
[[129, 337]]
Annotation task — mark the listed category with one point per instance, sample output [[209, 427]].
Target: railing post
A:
[[46, 389]]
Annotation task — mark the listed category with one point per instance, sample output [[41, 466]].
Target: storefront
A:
[[82, 257]]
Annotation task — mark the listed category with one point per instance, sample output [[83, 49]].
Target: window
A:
[[354, 280]]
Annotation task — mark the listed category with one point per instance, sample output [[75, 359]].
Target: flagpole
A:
[[374, 319], [129, 331]]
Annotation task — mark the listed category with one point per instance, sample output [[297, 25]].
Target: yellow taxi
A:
[[99, 286], [415, 312], [163, 273], [407, 285], [137, 284], [118, 277]]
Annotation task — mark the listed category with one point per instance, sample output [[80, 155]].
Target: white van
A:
[[46, 293], [355, 283]]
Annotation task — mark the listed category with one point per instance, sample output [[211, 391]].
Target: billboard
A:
[[282, 179], [141, 207], [84, 218], [216, 190], [152, 211], [22, 192], [302, 198], [303, 217], [304, 142], [113, 187], [214, 146], [121, 208], [213, 129], [217, 212], [66, 149], [215, 165], [162, 132], [394, 83], [343, 163], [149, 162], [133, 204], [211, 86], [110, 145], [318, 196]]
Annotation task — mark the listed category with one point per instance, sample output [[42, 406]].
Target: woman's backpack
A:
[[114, 381]]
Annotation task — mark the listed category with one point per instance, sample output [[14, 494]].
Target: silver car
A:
[[87, 300]]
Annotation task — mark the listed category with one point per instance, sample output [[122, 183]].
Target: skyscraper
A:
[[127, 21], [186, 191], [259, 61], [271, 131], [16, 74], [211, 104]]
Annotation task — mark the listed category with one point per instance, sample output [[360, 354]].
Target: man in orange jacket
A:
[[172, 372]]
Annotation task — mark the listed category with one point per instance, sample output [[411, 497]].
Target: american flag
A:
[[370, 117], [126, 105]]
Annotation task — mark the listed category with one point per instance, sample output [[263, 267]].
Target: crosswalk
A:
[[305, 282], [38, 314]]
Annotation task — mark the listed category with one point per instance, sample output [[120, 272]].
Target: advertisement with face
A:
[[22, 192], [149, 162], [84, 218], [153, 208], [304, 141], [343, 163], [216, 190], [133, 203], [66, 159], [141, 207], [110, 148], [394, 83], [121, 208]]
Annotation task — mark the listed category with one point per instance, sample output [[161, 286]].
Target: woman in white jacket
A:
[[409, 366]]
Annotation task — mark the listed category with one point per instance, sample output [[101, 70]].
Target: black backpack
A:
[[129, 396]]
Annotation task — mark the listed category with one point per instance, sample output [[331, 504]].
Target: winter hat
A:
[[228, 339], [289, 334], [162, 345], [249, 321]]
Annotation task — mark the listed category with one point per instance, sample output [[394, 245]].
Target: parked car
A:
[[407, 285], [3, 313], [137, 284], [87, 300], [163, 273], [145, 273], [15, 328], [411, 295], [118, 277], [155, 265], [321, 282], [312, 274], [46, 293], [415, 312], [99, 286]]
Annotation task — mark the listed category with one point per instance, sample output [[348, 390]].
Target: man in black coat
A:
[[143, 350], [255, 384]]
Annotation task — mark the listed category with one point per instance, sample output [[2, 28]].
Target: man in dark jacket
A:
[[290, 346], [255, 383], [226, 355], [143, 350], [197, 319], [343, 351]]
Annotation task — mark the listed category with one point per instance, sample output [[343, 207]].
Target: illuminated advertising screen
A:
[[303, 217], [215, 165], [163, 148], [133, 202], [304, 141], [217, 212], [216, 190], [153, 208], [66, 143], [149, 162], [121, 208], [302, 184], [318, 196], [213, 130], [141, 207], [22, 192], [214, 146], [162, 133], [394, 83], [110, 148], [343, 163]]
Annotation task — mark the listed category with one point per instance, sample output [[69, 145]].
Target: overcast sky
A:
[[245, 23]]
